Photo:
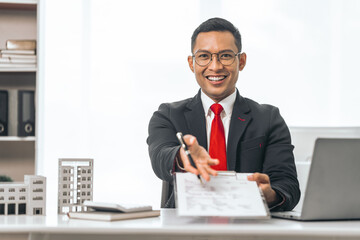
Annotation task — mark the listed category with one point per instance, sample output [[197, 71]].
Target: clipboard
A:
[[229, 194]]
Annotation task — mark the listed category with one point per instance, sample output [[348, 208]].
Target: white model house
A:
[[75, 184], [29, 197]]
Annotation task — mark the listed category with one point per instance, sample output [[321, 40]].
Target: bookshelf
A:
[[18, 20]]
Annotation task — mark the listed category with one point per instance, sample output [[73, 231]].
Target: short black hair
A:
[[219, 25]]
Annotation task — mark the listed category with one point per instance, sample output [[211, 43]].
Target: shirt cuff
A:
[[177, 166]]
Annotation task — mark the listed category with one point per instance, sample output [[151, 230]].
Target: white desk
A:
[[169, 226]]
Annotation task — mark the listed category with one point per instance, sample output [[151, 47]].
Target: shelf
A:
[[16, 139], [18, 20], [17, 80], [18, 5], [18, 69]]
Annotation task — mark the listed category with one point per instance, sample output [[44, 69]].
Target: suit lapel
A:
[[195, 119], [240, 119]]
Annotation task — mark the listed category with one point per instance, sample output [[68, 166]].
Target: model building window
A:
[[1, 198], [65, 178], [22, 190], [22, 198], [64, 201], [65, 171], [11, 208], [83, 186], [64, 185], [65, 209], [89, 178], [22, 208], [1, 190], [37, 211], [2, 209], [83, 179], [88, 193], [89, 170], [11, 198], [11, 189], [83, 171], [83, 194], [64, 193]]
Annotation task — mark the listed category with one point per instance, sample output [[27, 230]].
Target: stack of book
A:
[[18, 54]]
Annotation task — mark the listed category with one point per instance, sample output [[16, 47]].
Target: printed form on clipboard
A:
[[229, 194]]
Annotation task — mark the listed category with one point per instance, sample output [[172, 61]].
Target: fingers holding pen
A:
[[201, 167], [186, 163], [201, 158]]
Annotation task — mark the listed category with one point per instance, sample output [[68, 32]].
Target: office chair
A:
[[166, 191]]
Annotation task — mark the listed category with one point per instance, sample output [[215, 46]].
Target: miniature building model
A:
[[28, 198], [75, 184]]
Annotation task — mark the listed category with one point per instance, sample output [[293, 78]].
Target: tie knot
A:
[[216, 108]]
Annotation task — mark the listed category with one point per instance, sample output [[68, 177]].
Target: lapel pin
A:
[[241, 119]]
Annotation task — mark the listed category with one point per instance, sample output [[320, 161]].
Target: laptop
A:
[[333, 186]]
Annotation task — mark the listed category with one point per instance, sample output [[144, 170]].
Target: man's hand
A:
[[201, 158], [263, 181]]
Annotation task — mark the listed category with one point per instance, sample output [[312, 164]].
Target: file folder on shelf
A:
[[4, 100], [26, 113]]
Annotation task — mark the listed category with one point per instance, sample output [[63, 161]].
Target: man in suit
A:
[[240, 134]]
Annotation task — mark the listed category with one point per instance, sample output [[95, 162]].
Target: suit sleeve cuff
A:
[[280, 202]]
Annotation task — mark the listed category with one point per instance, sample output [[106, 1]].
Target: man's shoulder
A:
[[178, 105], [260, 107]]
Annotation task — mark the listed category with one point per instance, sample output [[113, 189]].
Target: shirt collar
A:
[[227, 103]]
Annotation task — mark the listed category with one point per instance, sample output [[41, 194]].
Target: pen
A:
[[187, 152]]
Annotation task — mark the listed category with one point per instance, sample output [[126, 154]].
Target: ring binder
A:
[[26, 113], [4, 100]]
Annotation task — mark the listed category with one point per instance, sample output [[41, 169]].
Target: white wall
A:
[[107, 65]]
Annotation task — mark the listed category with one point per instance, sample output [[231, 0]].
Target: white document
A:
[[228, 194]]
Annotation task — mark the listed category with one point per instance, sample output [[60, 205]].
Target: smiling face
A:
[[216, 80]]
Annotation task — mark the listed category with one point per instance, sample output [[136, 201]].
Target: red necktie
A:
[[217, 139]]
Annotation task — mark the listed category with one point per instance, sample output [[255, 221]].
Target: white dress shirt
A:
[[227, 104]]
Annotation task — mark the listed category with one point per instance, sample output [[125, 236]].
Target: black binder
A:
[[26, 113], [4, 100]]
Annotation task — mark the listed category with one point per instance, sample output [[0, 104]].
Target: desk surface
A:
[[169, 224]]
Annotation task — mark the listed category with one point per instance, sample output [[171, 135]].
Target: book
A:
[[16, 60], [17, 65], [26, 113], [229, 194], [4, 112], [21, 56], [112, 216], [112, 207], [15, 51], [21, 44]]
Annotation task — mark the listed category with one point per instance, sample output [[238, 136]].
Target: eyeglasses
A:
[[203, 58]]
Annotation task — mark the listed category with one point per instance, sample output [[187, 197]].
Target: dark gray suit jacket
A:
[[258, 141]]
